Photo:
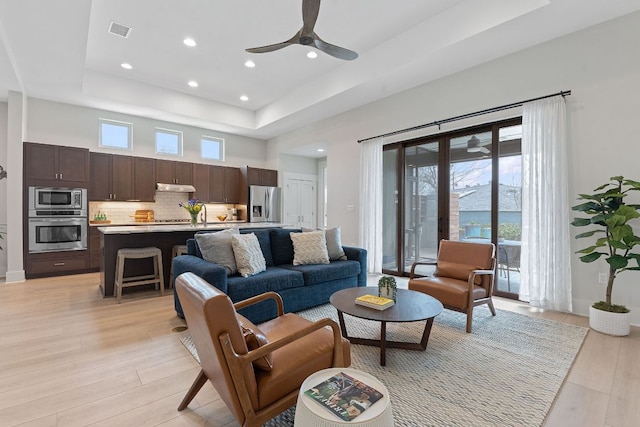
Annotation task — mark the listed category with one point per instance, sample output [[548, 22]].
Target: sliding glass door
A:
[[462, 185]]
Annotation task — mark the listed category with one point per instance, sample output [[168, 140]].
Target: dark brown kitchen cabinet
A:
[[55, 165], [224, 184], [95, 251], [144, 179], [111, 177], [258, 176], [56, 263], [201, 182], [171, 172]]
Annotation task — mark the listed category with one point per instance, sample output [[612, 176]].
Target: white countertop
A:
[[167, 228]]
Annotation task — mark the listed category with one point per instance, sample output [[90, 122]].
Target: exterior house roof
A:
[[478, 198]]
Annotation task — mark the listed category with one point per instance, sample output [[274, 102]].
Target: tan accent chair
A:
[[463, 278], [295, 348]]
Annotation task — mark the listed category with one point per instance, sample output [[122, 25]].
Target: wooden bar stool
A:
[[137, 253], [177, 250]]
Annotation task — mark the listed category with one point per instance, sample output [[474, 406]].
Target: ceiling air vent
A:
[[119, 29]]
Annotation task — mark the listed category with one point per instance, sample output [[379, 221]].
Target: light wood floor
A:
[[68, 357]]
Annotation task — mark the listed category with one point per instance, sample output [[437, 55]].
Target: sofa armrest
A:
[[358, 254], [212, 273]]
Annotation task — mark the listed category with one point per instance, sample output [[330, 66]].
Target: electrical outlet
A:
[[602, 278]]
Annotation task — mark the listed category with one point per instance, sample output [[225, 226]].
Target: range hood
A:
[[175, 188]]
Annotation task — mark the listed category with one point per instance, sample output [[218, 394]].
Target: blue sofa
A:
[[300, 286]]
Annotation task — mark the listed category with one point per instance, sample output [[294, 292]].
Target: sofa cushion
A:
[[320, 273], [281, 245], [249, 258], [255, 338], [217, 248], [272, 279], [309, 248], [457, 271]]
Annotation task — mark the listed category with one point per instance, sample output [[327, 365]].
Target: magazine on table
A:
[[345, 396]]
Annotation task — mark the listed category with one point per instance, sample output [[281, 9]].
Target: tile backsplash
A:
[[165, 208]]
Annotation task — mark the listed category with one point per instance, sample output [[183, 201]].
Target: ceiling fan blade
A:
[[333, 50], [272, 47], [484, 150], [310, 10]]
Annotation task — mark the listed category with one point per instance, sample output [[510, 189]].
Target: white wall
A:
[[600, 65], [3, 186], [65, 124]]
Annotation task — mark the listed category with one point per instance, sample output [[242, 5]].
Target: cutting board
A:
[[143, 215]]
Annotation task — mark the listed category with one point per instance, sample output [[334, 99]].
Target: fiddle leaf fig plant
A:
[[615, 239]]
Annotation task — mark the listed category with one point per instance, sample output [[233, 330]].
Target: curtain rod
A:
[[466, 116]]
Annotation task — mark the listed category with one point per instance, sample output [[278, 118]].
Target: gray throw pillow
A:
[[334, 244], [217, 248]]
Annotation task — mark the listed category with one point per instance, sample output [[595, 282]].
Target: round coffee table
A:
[[410, 306]]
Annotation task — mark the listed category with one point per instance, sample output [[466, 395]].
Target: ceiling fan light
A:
[[473, 145]]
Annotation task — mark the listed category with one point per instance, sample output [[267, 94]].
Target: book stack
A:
[[372, 301]]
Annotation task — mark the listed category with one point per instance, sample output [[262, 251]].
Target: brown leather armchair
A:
[[463, 278], [256, 371]]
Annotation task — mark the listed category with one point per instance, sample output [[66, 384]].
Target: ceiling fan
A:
[[307, 37], [474, 145]]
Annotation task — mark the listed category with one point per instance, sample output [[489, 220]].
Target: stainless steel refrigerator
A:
[[264, 204]]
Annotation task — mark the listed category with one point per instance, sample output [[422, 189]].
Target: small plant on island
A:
[[615, 239]]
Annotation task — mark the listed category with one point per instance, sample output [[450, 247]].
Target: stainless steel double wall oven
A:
[[57, 219]]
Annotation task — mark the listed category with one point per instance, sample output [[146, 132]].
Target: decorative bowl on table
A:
[[221, 217]]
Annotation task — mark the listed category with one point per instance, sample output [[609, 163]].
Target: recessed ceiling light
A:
[[189, 42], [249, 64], [126, 66], [312, 55], [244, 98], [320, 150], [193, 83]]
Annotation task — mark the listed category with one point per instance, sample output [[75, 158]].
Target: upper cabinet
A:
[[122, 178], [258, 176], [224, 184], [201, 182], [172, 172], [144, 179], [55, 165], [111, 177]]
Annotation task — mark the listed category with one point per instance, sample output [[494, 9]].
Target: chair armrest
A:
[[262, 351], [474, 273], [358, 254], [413, 266], [262, 297]]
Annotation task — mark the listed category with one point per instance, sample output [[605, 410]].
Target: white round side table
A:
[[311, 414]]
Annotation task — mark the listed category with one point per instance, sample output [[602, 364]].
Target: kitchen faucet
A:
[[204, 218]]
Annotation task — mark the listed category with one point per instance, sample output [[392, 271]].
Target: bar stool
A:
[[137, 253], [176, 251]]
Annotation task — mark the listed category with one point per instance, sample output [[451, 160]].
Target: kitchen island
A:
[[161, 236]]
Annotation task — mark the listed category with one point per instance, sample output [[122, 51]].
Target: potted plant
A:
[[615, 240], [387, 287]]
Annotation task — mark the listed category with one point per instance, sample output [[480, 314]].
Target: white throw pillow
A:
[[309, 248], [216, 248], [334, 244], [249, 257]]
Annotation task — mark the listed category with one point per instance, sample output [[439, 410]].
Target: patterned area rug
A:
[[507, 372]]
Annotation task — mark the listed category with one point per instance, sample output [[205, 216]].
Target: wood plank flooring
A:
[[69, 357]]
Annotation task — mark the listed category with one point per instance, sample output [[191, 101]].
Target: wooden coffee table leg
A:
[[343, 327], [426, 333], [383, 343]]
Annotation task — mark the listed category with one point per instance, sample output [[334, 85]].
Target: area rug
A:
[[507, 372]]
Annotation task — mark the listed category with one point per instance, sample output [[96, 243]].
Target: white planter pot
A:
[[617, 324]]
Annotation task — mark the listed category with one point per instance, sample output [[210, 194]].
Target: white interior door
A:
[[299, 201]]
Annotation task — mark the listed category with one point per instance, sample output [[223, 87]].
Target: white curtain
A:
[[546, 252], [371, 203]]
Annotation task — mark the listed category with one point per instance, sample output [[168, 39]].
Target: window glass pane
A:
[[390, 210], [510, 210], [115, 134], [168, 142], [212, 148]]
